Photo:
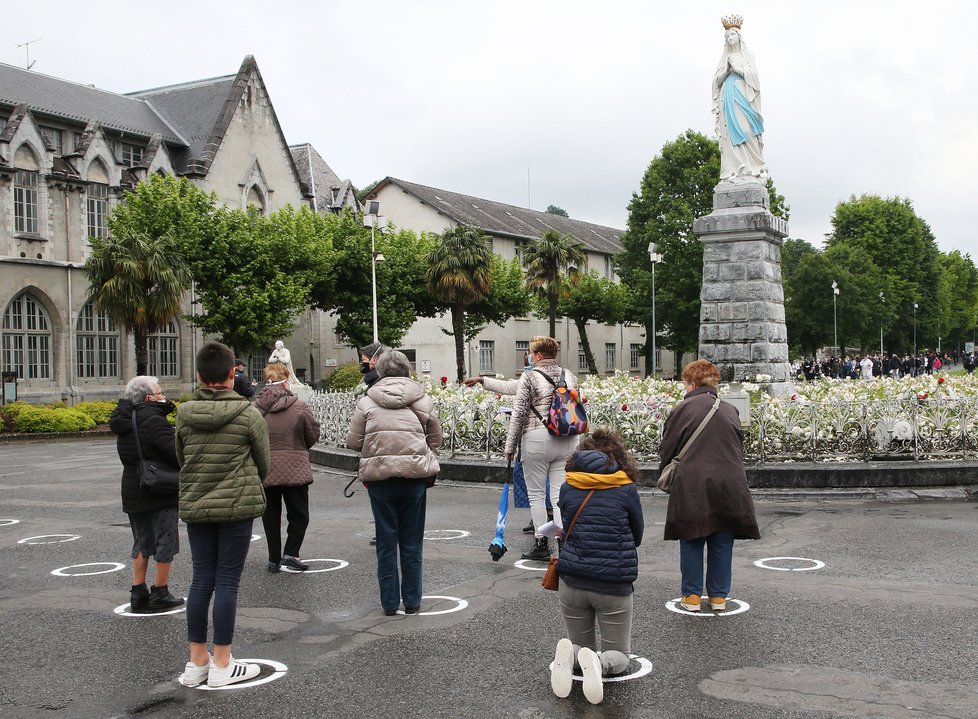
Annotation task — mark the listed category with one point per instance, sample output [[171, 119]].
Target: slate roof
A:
[[316, 174], [81, 103], [194, 107], [501, 219]]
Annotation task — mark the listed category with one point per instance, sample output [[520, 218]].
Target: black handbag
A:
[[154, 477]]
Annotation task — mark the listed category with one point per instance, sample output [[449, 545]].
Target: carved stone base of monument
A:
[[742, 328]]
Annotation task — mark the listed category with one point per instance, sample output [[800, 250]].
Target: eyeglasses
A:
[[157, 394]]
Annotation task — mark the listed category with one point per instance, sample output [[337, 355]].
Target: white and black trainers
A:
[[233, 673], [591, 669], [194, 675], [561, 676]]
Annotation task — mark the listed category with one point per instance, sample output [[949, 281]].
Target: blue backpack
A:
[[566, 416]]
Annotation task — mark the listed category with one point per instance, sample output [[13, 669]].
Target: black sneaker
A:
[[294, 563], [528, 529], [160, 599], [540, 551], [273, 567], [139, 599], [412, 610]]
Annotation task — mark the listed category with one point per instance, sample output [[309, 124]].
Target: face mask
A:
[[529, 366], [364, 367]]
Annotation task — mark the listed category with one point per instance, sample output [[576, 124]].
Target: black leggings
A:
[[296, 511]]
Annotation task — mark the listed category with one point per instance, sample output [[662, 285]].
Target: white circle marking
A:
[[459, 534], [115, 567], [123, 610], [521, 563], [644, 667], [8, 522], [278, 671], [460, 604], [255, 537], [816, 564], [29, 540], [340, 563], [673, 606]]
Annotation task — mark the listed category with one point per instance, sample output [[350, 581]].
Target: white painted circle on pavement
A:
[[8, 522], [763, 564], [31, 540], [339, 565], [278, 671], [460, 604], [644, 667], [535, 565], [123, 611], [741, 606], [255, 537], [113, 567], [445, 534]]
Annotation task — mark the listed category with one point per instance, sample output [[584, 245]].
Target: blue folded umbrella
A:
[[497, 547]]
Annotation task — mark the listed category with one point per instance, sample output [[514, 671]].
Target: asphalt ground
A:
[[886, 628]]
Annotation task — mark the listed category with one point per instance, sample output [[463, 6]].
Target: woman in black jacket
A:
[[598, 562], [152, 517]]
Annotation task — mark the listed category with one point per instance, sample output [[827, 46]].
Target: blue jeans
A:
[[218, 551], [719, 561], [399, 509]]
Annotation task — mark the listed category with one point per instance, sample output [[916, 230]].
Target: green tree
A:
[[507, 299], [344, 289], [555, 210], [959, 298], [547, 261], [138, 274], [459, 274], [597, 299], [256, 273], [676, 188]]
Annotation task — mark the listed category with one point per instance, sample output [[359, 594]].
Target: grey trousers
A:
[[613, 614]]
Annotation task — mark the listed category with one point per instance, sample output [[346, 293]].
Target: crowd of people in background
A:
[[871, 366]]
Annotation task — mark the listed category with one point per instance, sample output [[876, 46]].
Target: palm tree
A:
[[545, 261], [138, 280], [460, 273]]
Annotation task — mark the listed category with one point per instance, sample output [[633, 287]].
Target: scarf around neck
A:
[[587, 480]]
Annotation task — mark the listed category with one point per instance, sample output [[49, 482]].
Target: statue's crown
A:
[[730, 21]]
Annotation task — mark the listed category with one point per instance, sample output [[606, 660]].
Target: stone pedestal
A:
[[742, 328]]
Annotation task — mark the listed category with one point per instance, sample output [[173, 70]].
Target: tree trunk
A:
[[458, 329], [582, 331], [552, 314], [140, 341]]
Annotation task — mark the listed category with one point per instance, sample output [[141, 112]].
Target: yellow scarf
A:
[[587, 480]]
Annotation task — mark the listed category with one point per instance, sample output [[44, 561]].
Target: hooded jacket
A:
[[396, 430], [600, 554], [156, 440], [292, 430], [222, 446]]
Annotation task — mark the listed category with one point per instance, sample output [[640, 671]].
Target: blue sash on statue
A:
[[733, 98]]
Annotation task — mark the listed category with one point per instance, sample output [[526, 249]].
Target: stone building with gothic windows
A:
[[68, 152]]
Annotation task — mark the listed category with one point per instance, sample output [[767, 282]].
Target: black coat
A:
[[156, 440], [709, 490], [242, 385]]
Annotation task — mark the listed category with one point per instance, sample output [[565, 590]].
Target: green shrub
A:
[[99, 411], [344, 378], [47, 419]]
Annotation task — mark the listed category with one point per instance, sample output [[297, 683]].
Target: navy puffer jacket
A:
[[600, 554]]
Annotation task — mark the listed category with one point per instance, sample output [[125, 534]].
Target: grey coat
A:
[[396, 430], [709, 491]]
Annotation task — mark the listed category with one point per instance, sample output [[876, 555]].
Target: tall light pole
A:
[[882, 302], [914, 329], [373, 220], [835, 317], [655, 258]]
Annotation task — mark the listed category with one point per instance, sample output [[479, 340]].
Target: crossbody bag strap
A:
[[546, 377], [135, 434], [577, 514], [699, 429]]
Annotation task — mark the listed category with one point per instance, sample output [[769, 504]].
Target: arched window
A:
[[26, 344], [97, 343], [256, 198], [163, 352], [98, 199]]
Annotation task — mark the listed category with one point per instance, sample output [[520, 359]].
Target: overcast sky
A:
[[565, 102]]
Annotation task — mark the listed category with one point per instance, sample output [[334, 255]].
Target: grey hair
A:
[[140, 386], [394, 364], [374, 349]]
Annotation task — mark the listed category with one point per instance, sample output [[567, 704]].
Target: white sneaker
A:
[[233, 673], [591, 669], [561, 680], [194, 675]]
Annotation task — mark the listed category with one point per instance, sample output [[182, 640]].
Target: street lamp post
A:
[[835, 317], [915, 329], [374, 221], [883, 302], [655, 258]]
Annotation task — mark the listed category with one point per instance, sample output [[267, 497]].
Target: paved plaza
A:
[[873, 617]]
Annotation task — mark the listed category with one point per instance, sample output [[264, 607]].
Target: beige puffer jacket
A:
[[396, 430], [534, 392]]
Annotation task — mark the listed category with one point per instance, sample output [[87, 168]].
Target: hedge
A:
[[48, 419]]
